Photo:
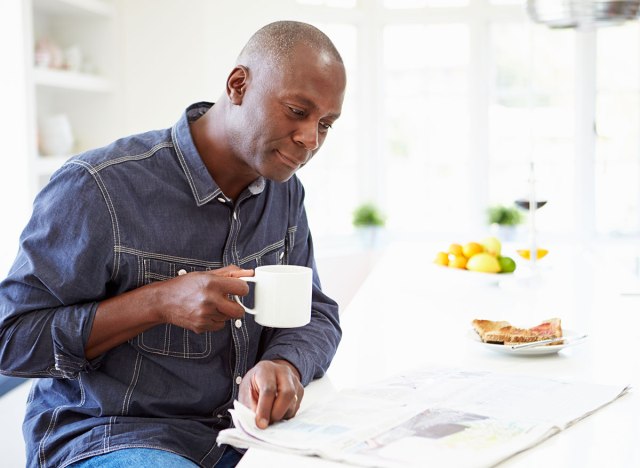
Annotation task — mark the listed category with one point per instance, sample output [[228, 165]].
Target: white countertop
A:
[[410, 313]]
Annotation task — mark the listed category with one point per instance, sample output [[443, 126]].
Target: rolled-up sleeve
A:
[[312, 347], [64, 264]]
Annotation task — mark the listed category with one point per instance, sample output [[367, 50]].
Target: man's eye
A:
[[296, 111], [325, 125]]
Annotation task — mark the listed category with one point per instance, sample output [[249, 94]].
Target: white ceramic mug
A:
[[282, 297]]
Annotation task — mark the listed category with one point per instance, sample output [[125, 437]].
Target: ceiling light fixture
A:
[[577, 13]]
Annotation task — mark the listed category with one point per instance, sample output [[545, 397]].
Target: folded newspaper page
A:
[[430, 417]]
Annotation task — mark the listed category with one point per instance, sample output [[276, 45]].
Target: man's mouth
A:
[[289, 161]]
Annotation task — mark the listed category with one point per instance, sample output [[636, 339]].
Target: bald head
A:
[[274, 45]]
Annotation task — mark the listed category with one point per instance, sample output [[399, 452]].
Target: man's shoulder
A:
[[132, 148]]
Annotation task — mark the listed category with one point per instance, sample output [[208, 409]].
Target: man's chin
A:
[[280, 177]]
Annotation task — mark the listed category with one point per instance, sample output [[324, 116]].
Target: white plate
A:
[[535, 351]]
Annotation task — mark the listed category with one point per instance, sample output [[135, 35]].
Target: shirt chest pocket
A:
[[167, 339], [276, 253]]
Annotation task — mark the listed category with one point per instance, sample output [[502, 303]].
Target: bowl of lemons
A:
[[482, 257]]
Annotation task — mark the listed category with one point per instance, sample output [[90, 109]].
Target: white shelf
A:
[[89, 101], [70, 80], [99, 8]]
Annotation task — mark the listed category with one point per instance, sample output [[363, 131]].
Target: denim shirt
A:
[[117, 218]]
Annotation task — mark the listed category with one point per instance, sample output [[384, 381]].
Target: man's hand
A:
[[272, 389], [198, 301]]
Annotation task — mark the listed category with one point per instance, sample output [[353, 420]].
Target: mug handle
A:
[[249, 279]]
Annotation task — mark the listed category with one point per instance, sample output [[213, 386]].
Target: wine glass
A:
[[524, 204]]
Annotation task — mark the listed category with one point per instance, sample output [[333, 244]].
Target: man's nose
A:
[[308, 136]]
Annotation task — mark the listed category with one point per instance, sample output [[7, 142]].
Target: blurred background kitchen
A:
[[455, 111], [450, 105]]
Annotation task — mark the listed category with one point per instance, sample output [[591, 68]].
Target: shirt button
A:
[[220, 415], [222, 200], [238, 323], [238, 380], [235, 216], [182, 272]]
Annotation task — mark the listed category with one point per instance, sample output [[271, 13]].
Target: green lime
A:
[[507, 265]]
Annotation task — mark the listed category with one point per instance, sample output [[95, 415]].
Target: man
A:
[[120, 298]]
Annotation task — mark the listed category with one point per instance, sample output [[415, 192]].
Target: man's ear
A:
[[237, 84]]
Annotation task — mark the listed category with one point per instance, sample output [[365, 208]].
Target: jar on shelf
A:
[[56, 136]]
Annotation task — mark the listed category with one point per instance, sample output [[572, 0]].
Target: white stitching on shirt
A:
[[245, 332], [132, 385], [235, 238], [112, 213], [185, 343], [267, 249], [135, 157], [236, 344], [169, 258], [52, 423], [185, 168]]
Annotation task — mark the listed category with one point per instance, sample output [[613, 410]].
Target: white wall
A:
[[15, 201], [14, 193], [176, 53]]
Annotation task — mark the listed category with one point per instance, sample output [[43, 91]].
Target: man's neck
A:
[[210, 139]]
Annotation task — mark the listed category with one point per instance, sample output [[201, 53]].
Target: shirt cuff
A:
[[292, 355], [70, 330]]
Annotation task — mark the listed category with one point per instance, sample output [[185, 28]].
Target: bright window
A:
[[447, 104], [426, 124], [617, 126], [532, 119], [331, 178]]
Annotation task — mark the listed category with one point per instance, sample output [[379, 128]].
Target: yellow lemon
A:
[[483, 262], [457, 261], [441, 259], [471, 248], [526, 253], [492, 245], [455, 249]]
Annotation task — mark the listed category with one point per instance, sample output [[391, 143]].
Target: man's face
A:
[[287, 114]]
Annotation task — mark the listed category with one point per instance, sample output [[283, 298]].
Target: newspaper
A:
[[431, 417]]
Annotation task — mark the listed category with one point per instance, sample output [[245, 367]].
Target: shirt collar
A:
[[203, 187]]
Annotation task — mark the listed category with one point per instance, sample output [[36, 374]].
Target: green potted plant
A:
[[504, 220], [368, 221], [367, 215]]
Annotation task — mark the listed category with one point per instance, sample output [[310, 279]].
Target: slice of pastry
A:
[[510, 334], [502, 332], [548, 329], [482, 327]]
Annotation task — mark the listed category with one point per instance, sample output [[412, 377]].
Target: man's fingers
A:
[[232, 285], [241, 273], [278, 402], [267, 396], [231, 271], [272, 390]]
